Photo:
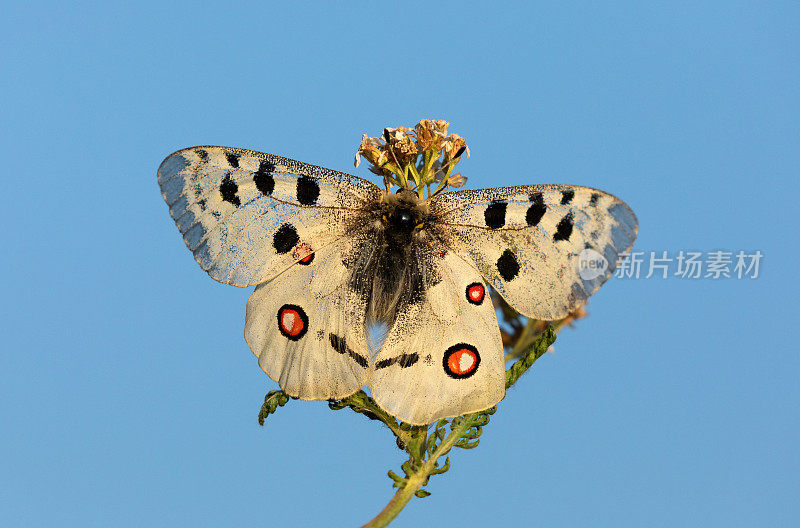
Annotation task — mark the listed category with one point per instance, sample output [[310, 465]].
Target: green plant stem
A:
[[361, 403], [419, 476], [395, 506], [537, 350], [522, 342]]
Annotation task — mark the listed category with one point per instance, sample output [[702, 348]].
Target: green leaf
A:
[[272, 401], [443, 469], [473, 432], [466, 444], [422, 494], [482, 420], [395, 477]]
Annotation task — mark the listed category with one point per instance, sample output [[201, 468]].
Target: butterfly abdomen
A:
[[392, 265]]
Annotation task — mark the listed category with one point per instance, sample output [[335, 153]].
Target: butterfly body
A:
[[332, 255], [393, 264]]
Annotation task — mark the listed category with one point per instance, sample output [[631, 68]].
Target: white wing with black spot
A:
[[443, 356], [247, 216], [307, 328], [545, 248]]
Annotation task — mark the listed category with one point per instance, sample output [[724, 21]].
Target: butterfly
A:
[[333, 256]]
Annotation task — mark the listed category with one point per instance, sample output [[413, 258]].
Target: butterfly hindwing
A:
[[443, 356], [246, 216], [527, 241], [307, 328]]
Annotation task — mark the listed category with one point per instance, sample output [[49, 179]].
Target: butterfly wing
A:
[[247, 216], [443, 356], [307, 328], [529, 242]]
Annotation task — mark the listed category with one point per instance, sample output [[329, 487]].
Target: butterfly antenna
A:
[[391, 151], [454, 158]]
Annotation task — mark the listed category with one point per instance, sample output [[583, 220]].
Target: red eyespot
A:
[[461, 361], [475, 293], [292, 321], [302, 253]]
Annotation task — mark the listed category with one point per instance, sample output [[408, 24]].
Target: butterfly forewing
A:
[[247, 216], [530, 242]]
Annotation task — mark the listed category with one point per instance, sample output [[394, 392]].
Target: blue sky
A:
[[128, 395]]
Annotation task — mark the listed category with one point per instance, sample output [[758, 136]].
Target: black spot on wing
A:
[[577, 294], [567, 196], [263, 179], [307, 190], [285, 238], [536, 210], [495, 215], [228, 190], [593, 199], [202, 153], [404, 360], [564, 228], [340, 345], [233, 159], [507, 265]]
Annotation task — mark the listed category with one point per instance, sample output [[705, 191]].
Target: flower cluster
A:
[[416, 158]]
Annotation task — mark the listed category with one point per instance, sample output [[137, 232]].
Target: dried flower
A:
[[430, 134], [371, 149], [456, 180], [452, 146], [415, 158], [401, 144]]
